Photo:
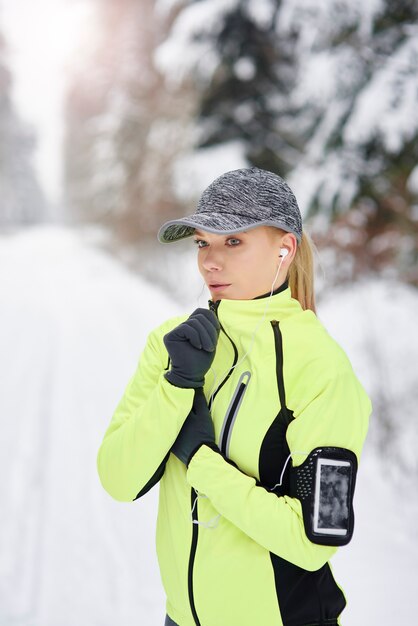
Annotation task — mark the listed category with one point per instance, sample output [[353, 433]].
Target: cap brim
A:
[[217, 223]]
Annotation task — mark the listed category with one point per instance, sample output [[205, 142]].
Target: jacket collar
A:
[[233, 313], [278, 290]]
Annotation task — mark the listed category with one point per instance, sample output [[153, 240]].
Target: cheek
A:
[[260, 266], [261, 272], [250, 274]]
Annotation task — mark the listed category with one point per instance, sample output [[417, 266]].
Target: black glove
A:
[[191, 347], [196, 430]]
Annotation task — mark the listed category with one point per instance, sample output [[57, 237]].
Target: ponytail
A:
[[301, 274]]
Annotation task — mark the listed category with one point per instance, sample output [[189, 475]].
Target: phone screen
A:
[[331, 504]]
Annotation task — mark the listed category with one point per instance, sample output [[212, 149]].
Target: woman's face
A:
[[244, 265]]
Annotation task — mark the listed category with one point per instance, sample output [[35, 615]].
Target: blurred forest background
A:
[[167, 94], [114, 116]]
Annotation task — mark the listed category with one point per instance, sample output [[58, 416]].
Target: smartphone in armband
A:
[[325, 484], [331, 500]]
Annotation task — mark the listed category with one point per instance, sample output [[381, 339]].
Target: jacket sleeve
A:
[[144, 426], [336, 416]]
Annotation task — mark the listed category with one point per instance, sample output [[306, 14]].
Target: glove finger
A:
[[189, 332], [204, 342], [208, 334], [211, 323], [208, 315], [212, 331]]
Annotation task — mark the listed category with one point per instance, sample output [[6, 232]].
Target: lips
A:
[[218, 285]]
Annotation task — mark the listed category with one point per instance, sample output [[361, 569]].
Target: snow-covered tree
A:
[[21, 199], [325, 93], [124, 128], [253, 79], [354, 105], [244, 73]]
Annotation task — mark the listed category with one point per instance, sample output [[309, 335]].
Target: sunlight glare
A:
[[43, 41]]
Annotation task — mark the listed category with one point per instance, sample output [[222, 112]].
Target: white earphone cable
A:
[[299, 452]]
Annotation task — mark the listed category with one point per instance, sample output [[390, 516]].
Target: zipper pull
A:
[[214, 306]]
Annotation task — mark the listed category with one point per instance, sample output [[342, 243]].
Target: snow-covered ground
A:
[[73, 323]]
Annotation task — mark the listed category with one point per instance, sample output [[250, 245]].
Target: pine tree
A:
[[252, 79]]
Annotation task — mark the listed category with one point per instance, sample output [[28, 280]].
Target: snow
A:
[[412, 182], [184, 50], [261, 12], [195, 171], [387, 105], [73, 326], [331, 16], [164, 7], [245, 69], [337, 182]]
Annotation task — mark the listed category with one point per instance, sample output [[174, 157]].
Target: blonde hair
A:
[[301, 274]]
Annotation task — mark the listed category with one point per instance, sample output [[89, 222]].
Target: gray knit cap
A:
[[237, 201]]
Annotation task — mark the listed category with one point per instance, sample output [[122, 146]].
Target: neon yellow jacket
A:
[[248, 561]]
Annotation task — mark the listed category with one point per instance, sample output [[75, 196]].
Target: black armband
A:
[[325, 484]]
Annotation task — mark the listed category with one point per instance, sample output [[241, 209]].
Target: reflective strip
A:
[[232, 412]]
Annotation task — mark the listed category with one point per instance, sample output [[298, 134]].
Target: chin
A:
[[227, 296]]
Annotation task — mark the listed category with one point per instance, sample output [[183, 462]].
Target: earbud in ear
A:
[[283, 252]]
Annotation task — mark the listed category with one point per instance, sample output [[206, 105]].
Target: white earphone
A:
[[283, 252]]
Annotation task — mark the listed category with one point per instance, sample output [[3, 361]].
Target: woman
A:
[[250, 416]]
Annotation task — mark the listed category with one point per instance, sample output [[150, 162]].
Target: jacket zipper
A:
[[195, 518], [238, 394], [225, 435], [195, 532], [214, 307], [232, 412]]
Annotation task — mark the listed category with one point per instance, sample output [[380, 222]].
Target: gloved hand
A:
[[196, 430], [191, 346]]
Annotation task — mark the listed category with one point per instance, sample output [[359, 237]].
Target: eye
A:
[[233, 241], [201, 243]]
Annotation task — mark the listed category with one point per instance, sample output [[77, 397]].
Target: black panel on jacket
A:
[[274, 452], [154, 479], [307, 598]]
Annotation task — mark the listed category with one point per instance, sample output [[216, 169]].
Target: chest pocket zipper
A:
[[232, 412]]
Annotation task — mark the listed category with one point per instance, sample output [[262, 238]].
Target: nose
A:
[[212, 260]]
